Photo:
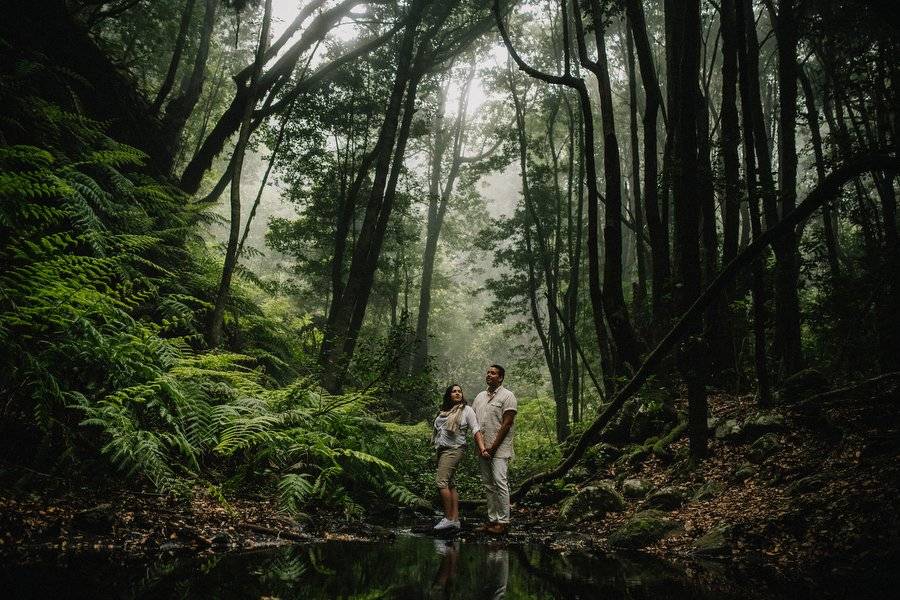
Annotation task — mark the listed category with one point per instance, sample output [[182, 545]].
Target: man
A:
[[495, 409]]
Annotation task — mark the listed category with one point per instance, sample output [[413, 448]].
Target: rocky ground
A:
[[808, 489]]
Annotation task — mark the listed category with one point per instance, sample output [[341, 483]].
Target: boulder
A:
[[708, 491], [730, 429], [667, 498], [643, 529], [714, 542], [577, 474], [764, 447], [636, 488], [807, 484], [619, 428], [803, 384], [99, 519], [744, 472], [593, 501], [652, 418], [762, 423]]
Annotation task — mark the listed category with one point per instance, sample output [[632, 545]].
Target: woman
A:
[[449, 437]]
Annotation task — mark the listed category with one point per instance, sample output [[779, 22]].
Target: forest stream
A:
[[407, 567]]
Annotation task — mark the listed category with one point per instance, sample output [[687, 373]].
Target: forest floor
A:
[[806, 504]]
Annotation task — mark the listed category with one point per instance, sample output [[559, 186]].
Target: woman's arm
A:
[[479, 439]]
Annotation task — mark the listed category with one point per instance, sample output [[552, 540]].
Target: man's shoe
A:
[[498, 528], [486, 527], [444, 524]]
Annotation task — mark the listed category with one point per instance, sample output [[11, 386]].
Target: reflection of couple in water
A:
[[491, 421], [491, 577]]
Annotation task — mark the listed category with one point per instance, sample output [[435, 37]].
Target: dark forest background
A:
[[247, 252]]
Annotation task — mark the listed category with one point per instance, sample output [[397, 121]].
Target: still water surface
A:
[[409, 567]]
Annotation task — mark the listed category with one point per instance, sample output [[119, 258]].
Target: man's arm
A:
[[505, 425]]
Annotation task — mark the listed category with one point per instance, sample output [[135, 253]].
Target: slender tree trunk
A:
[[214, 334], [169, 79], [744, 28], [828, 217], [787, 271], [179, 109], [640, 292], [438, 203], [617, 316], [683, 25], [659, 235]]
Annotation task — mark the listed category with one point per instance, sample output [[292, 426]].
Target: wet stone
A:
[[643, 529]]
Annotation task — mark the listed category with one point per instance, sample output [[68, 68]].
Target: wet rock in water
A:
[[744, 472], [643, 529], [730, 429], [594, 500], [636, 488], [766, 446], [667, 498], [99, 519], [762, 423], [802, 384], [714, 542], [708, 491]]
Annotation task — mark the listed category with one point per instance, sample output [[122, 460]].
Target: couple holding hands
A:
[[491, 421]]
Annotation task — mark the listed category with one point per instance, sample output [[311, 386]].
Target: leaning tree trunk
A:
[[826, 191]]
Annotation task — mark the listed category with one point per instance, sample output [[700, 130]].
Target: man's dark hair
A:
[[502, 371], [447, 403]]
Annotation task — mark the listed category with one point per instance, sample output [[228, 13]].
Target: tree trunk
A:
[[828, 218], [758, 284], [659, 235], [683, 24], [214, 332], [640, 291], [179, 109], [620, 326], [787, 270], [338, 333], [169, 79]]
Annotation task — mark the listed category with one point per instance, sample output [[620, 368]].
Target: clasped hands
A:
[[487, 452]]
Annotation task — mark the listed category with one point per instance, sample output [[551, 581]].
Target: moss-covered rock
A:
[[729, 429], [766, 446], [708, 491], [714, 542], [667, 498], [643, 529], [762, 423], [636, 488], [593, 501], [803, 384], [744, 472]]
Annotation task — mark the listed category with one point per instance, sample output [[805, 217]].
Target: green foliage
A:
[[99, 326]]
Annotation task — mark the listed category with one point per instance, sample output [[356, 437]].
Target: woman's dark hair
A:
[[447, 403]]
